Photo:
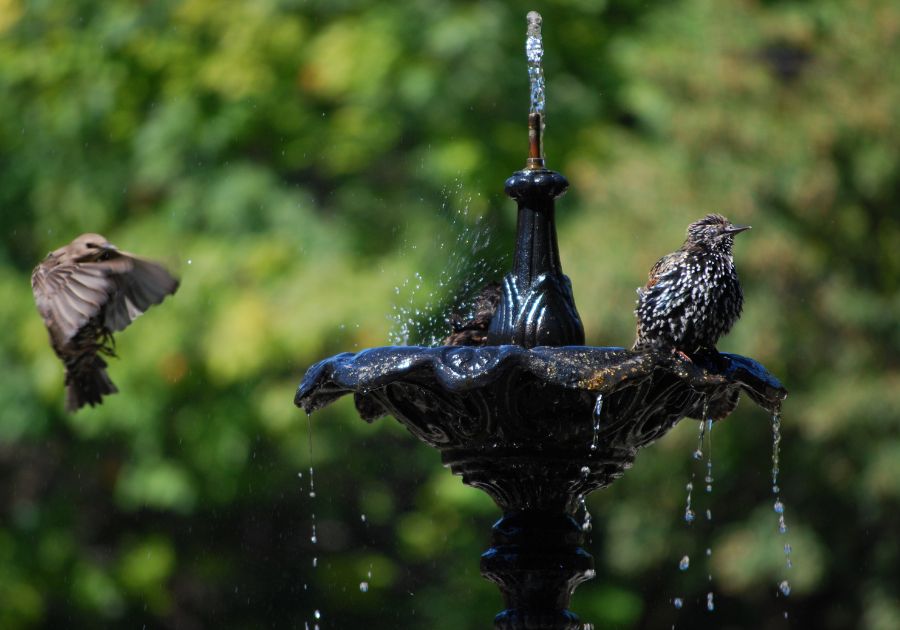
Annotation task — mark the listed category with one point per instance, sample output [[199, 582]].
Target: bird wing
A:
[[138, 285], [122, 287], [68, 297], [662, 266]]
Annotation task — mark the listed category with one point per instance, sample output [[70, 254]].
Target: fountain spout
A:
[[537, 307]]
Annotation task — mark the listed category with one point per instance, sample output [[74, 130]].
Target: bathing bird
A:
[[473, 331], [86, 291], [692, 296]]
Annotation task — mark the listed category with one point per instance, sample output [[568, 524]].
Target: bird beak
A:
[[734, 229]]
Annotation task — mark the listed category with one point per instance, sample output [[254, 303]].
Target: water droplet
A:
[[685, 563], [190, 262], [678, 602], [317, 615], [315, 562], [313, 539], [698, 454], [708, 515], [364, 587], [708, 552], [362, 517], [585, 471], [709, 602], [785, 588], [779, 507], [689, 515]]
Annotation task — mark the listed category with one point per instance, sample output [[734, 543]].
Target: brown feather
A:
[[84, 292]]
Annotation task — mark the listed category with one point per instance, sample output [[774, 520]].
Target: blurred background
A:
[[319, 174]]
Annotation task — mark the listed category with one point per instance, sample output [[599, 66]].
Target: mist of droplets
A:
[[423, 305]]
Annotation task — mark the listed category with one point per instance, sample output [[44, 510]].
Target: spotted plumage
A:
[[692, 296], [473, 330], [85, 291]]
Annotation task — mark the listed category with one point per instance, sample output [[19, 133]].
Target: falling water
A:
[[313, 538], [784, 586], [534, 52], [598, 410], [688, 512]]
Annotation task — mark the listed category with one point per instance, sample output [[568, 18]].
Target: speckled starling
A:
[[85, 291], [473, 331], [693, 295]]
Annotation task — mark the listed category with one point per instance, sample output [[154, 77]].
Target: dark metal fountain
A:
[[536, 419]]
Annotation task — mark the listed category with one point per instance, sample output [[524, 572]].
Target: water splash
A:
[[468, 261], [534, 53], [598, 410]]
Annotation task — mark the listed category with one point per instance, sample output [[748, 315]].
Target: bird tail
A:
[[87, 382]]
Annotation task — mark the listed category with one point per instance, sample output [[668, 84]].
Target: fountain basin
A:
[[519, 422]]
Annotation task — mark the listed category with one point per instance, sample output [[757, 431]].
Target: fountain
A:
[[536, 419]]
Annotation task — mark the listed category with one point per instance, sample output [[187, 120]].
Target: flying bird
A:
[[86, 291], [693, 295]]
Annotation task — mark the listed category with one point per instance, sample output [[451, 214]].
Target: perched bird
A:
[[86, 291], [693, 295], [473, 331]]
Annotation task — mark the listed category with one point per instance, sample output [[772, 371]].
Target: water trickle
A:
[[598, 410], [534, 53], [685, 563], [784, 587], [688, 512], [778, 505], [586, 521]]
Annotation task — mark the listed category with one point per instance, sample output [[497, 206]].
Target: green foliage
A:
[[291, 160]]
